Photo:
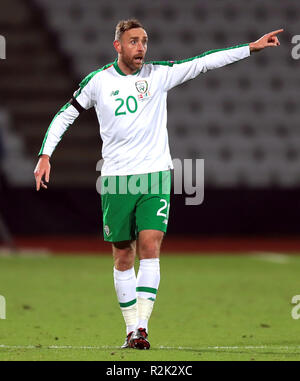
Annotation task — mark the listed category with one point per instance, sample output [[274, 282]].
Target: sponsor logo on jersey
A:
[[141, 86]]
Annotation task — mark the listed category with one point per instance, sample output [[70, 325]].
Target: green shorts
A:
[[133, 203]]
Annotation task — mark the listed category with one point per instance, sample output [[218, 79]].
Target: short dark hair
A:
[[125, 25]]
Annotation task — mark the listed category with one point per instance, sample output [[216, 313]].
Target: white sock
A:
[[147, 285], [125, 285]]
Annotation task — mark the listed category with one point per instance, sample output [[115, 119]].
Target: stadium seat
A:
[[242, 118]]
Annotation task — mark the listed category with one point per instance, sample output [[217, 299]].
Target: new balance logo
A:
[[113, 93]]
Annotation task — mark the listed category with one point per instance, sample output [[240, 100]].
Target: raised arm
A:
[[268, 40], [177, 72]]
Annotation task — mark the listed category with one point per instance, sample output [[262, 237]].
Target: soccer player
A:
[[129, 97]]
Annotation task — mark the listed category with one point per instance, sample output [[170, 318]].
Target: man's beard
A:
[[129, 62]]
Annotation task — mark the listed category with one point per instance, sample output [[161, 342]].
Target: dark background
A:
[[242, 119]]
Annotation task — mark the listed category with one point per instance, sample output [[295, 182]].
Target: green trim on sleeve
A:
[[87, 79], [56, 115], [171, 63], [82, 84]]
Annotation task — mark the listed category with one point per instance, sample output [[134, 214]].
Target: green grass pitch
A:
[[209, 307]]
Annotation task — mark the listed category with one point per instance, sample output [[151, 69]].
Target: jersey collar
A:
[[116, 66]]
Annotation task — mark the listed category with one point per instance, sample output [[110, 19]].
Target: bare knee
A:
[[149, 243], [124, 255]]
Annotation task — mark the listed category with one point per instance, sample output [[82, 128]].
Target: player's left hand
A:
[[269, 39]]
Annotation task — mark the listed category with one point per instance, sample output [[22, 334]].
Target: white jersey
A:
[[132, 110]]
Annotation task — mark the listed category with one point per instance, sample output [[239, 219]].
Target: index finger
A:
[[38, 183], [38, 177], [275, 32]]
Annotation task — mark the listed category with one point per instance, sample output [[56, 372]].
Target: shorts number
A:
[[131, 108], [166, 205]]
